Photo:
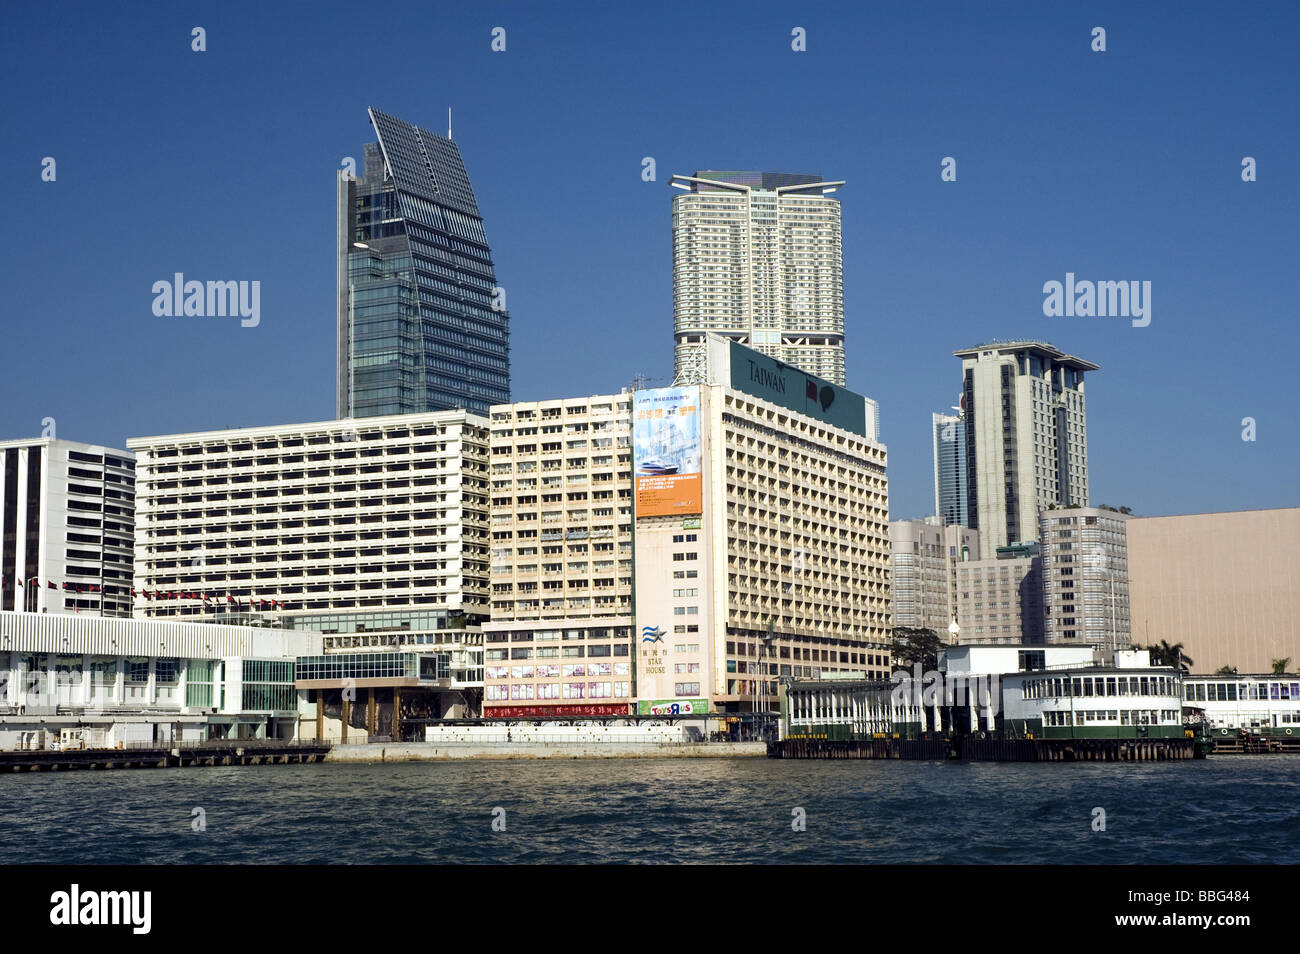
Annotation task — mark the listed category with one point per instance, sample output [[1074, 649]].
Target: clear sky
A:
[[1122, 165]]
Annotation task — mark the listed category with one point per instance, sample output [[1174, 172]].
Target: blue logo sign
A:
[[652, 634]]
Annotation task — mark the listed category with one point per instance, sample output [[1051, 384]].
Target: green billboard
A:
[[755, 373]]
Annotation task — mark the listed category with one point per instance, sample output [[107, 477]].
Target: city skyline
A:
[[929, 265]]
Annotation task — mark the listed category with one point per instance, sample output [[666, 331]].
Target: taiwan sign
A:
[[666, 444], [757, 374]]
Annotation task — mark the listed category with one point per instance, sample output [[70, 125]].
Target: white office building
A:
[[371, 532], [67, 513]]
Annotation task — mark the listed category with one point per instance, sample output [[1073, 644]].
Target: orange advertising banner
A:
[[669, 494]]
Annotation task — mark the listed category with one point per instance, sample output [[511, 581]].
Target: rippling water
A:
[[1240, 809]]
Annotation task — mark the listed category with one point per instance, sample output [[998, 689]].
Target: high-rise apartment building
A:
[[422, 324], [757, 258], [1085, 577], [560, 638], [951, 491], [924, 555], [373, 533], [1026, 436], [67, 525]]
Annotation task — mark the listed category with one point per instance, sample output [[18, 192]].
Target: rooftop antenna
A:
[[448, 122]]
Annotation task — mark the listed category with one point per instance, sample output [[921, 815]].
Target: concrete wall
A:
[[1225, 585], [650, 732]]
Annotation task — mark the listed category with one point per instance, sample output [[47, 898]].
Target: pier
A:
[[192, 755], [975, 749]]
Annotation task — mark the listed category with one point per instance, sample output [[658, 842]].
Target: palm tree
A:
[[1163, 654], [1279, 666]]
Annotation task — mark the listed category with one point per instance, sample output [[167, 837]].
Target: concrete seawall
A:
[[439, 751]]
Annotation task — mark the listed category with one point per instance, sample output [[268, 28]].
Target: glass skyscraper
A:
[[951, 500], [422, 324]]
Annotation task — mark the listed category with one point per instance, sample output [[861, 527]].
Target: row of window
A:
[[1229, 692], [543, 671], [1100, 686], [557, 690], [1113, 717]]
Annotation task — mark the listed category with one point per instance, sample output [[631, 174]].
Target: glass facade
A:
[[268, 685], [421, 324], [199, 680], [952, 502], [375, 666]]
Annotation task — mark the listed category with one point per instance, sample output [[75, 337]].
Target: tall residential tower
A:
[[1026, 436], [757, 258], [422, 324]]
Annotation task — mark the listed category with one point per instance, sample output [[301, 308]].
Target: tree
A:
[[1226, 671], [1279, 666], [1163, 654], [914, 645]]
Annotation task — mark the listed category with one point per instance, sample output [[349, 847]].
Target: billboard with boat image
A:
[[666, 449]]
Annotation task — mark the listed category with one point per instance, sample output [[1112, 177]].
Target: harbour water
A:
[[1227, 810]]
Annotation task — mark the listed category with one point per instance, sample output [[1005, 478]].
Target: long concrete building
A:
[[1225, 585], [371, 532]]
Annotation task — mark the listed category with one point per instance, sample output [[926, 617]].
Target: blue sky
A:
[[1117, 165]]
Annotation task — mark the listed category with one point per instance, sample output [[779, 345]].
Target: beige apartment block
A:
[[1225, 585], [924, 557], [1000, 601], [559, 642], [1085, 577]]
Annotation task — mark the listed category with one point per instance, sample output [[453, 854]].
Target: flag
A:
[[229, 598], [51, 584]]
